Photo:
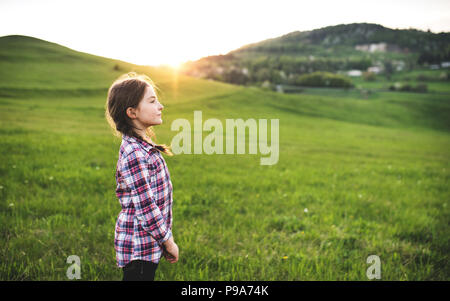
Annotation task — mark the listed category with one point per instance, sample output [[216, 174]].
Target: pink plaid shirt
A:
[[144, 190]]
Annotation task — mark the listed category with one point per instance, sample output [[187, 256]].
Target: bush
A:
[[369, 76], [235, 76], [266, 85], [421, 88], [406, 87], [323, 79], [444, 76]]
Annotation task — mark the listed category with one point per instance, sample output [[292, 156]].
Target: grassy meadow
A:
[[356, 177]]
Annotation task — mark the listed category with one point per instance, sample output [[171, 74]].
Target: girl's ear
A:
[[131, 112]]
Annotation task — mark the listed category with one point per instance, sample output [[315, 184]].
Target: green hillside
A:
[[335, 38], [356, 176], [337, 49]]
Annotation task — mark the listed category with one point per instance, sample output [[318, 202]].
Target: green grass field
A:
[[372, 173]]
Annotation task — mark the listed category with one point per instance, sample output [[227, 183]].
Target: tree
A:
[[235, 76], [388, 69]]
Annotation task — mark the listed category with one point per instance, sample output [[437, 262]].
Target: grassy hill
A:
[[336, 49], [356, 177], [331, 39]]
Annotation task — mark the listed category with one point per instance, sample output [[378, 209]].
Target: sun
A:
[[176, 66]]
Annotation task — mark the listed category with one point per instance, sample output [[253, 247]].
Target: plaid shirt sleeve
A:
[[137, 173]]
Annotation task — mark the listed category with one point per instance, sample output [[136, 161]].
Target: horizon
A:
[[197, 26]]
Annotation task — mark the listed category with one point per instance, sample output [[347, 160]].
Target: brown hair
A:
[[127, 91]]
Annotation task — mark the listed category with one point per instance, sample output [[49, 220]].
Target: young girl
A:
[[143, 231]]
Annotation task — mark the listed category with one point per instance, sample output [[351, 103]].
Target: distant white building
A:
[[434, 67], [399, 65], [374, 69], [445, 64], [354, 73], [380, 47]]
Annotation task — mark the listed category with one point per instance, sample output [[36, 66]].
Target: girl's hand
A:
[[170, 252]]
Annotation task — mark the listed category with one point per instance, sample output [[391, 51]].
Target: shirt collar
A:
[[147, 146]]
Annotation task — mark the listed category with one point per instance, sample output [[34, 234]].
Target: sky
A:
[[171, 32]]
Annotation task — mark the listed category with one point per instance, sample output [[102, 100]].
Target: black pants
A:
[[139, 270]]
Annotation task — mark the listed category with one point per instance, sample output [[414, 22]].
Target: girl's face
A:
[[148, 112]]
